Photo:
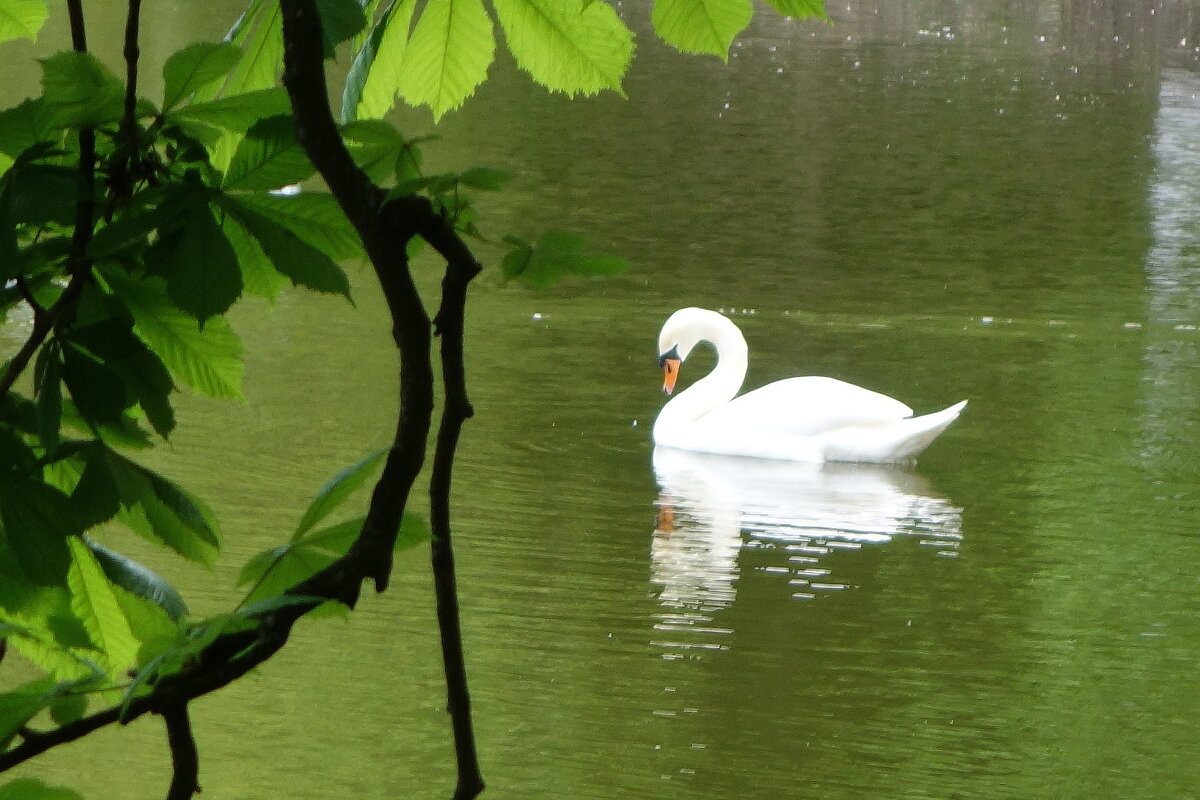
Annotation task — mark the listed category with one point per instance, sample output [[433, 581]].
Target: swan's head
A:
[[682, 331]]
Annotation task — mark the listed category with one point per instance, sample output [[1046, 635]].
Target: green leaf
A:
[[701, 26], [140, 581], [160, 510], [556, 255], [340, 20], [155, 210], [303, 263], [37, 519], [448, 54], [203, 276], [209, 359], [339, 487], [48, 383], [269, 157], [238, 112], [79, 91], [259, 276], [68, 708], [567, 45], [33, 789], [374, 145], [22, 19], [485, 178], [23, 126], [195, 68], [20, 705], [260, 35], [95, 604], [98, 392], [374, 78], [273, 572], [314, 217], [800, 9]]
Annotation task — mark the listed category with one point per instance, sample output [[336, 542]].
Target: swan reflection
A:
[[712, 507]]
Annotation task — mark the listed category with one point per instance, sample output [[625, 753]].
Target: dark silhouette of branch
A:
[[386, 230], [362, 201], [185, 760], [449, 321]]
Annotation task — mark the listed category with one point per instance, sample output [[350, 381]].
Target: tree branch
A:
[[461, 267], [185, 759]]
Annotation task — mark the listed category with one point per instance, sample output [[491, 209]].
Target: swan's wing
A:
[[807, 407]]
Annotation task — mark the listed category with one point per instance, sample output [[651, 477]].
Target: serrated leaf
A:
[[158, 509], [556, 255], [314, 217], [23, 126], [158, 210], [567, 45], [98, 392], [800, 9], [20, 705], [291, 256], [79, 91], [259, 276], [260, 36], [37, 520], [485, 178], [68, 708], [269, 157], [237, 112], [374, 145], [278, 569], [209, 359], [448, 55], [203, 276], [339, 487], [701, 26], [374, 78], [96, 606], [195, 68], [22, 19], [340, 20]]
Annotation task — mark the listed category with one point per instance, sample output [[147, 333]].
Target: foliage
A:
[[130, 226]]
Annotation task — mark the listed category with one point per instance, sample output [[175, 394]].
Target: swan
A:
[[809, 419]]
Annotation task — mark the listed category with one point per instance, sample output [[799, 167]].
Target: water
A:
[[938, 204]]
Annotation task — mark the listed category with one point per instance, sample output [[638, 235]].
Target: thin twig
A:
[[449, 323]]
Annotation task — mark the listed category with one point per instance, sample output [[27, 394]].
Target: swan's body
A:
[[798, 419]]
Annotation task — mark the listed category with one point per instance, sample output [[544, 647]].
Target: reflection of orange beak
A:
[[670, 373]]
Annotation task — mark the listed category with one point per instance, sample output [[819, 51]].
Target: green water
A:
[[935, 201]]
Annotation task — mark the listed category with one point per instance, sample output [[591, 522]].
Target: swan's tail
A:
[[894, 441]]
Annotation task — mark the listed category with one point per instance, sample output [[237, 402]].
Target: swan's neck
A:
[[717, 387]]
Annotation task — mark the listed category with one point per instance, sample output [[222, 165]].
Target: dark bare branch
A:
[[185, 759]]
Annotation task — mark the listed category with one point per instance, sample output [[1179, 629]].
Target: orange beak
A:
[[670, 373]]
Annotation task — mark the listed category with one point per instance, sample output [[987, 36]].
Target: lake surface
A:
[[937, 201]]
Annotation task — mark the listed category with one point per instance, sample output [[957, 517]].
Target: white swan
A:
[[798, 419]]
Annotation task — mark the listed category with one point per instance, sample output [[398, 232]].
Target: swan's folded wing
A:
[[807, 407]]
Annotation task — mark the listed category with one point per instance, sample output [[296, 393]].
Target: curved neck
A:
[[717, 387]]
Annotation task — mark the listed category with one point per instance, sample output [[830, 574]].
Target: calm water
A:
[[995, 206]]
